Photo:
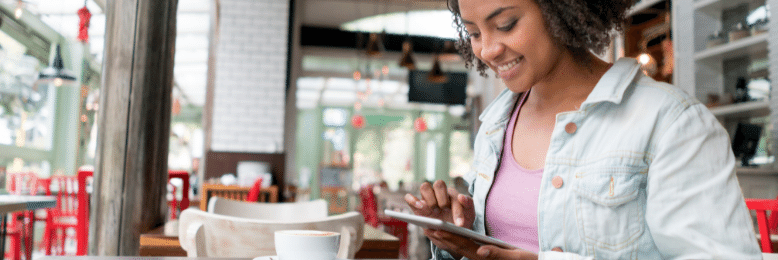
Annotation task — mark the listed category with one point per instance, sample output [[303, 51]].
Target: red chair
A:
[[20, 226], [767, 225], [175, 207], [71, 213], [255, 191], [369, 209]]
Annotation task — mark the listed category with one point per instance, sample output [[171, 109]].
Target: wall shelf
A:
[[749, 45], [746, 109], [756, 171], [714, 7], [642, 6]]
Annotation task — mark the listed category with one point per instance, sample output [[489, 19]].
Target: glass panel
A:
[[461, 154], [397, 164], [336, 148], [367, 158], [26, 108]]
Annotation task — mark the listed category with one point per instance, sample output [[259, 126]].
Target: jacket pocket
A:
[[608, 210]]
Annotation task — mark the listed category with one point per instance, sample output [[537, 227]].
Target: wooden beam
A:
[[131, 163]]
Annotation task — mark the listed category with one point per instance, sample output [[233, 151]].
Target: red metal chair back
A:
[[22, 183], [369, 206], [175, 207], [766, 225], [84, 178]]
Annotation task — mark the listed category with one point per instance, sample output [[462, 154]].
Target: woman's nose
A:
[[491, 49]]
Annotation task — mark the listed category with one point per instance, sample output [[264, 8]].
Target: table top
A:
[[765, 256], [13, 203], [142, 258]]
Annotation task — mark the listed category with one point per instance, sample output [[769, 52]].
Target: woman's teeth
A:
[[508, 66]]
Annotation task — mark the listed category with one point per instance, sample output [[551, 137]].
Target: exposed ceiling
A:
[[193, 26]]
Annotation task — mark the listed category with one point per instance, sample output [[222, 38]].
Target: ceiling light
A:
[[436, 75], [56, 71], [407, 57], [375, 46]]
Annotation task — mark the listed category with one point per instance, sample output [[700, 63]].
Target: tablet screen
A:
[[437, 224]]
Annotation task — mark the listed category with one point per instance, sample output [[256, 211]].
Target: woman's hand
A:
[[441, 203], [448, 205], [462, 246], [490, 252]]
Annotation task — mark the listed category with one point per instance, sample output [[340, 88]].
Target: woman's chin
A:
[[516, 87]]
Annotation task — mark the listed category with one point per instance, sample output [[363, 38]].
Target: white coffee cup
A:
[[307, 244]]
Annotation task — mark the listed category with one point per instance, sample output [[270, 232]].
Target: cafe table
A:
[[15, 203], [146, 258], [765, 256], [375, 245]]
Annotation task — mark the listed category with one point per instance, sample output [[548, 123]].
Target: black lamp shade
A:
[[57, 69]]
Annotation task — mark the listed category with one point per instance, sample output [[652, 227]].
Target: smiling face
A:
[[510, 36]]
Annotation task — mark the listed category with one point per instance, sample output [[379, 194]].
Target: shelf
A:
[[642, 6], [749, 45], [714, 7], [756, 171], [747, 109]]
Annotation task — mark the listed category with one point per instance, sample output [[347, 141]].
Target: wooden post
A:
[[131, 163]]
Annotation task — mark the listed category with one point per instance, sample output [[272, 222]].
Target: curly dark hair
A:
[[580, 26]]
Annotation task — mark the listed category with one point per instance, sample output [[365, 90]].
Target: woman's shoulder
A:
[[649, 93], [651, 96]]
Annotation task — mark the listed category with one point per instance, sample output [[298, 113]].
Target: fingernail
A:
[[485, 252], [419, 204], [460, 221]]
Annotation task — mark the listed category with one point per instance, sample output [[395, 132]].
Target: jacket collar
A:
[[614, 82], [610, 88]]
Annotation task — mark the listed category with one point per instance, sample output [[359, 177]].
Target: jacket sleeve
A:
[[694, 207], [439, 254]]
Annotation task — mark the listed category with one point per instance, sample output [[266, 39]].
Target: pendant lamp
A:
[[407, 59], [436, 75], [450, 53], [56, 72], [375, 47]]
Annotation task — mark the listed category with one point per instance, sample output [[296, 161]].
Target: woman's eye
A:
[[473, 35], [508, 27]]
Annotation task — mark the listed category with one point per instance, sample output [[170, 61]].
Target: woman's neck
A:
[[567, 85]]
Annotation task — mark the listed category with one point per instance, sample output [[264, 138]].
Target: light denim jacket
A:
[[647, 174]]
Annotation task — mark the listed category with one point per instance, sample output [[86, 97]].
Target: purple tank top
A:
[[512, 204]]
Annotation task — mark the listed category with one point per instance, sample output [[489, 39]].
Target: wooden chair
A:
[[239, 193], [767, 226], [294, 211], [204, 234], [370, 209]]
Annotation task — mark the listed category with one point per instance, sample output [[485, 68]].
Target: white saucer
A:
[[276, 258]]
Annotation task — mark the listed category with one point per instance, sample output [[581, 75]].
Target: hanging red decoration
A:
[[176, 106], [358, 121], [83, 24], [420, 125]]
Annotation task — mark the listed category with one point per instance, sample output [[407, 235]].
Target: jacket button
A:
[[557, 249], [570, 128], [557, 182]]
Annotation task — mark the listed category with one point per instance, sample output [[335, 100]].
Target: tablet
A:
[[437, 224]]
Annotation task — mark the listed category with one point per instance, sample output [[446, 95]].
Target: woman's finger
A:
[[441, 193], [429, 196], [416, 204], [494, 252], [457, 210]]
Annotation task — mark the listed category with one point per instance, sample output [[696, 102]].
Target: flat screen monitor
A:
[[451, 92]]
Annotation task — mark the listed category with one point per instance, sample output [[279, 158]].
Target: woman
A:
[[582, 158]]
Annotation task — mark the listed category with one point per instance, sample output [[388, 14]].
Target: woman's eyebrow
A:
[[494, 13]]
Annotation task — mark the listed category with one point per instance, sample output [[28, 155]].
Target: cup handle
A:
[[347, 234]]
